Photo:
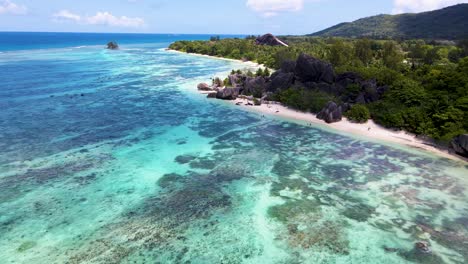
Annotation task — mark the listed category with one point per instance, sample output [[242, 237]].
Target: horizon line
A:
[[136, 33]]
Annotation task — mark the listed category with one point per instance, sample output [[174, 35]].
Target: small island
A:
[[112, 45]]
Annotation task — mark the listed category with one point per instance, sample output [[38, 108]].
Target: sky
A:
[[293, 17]]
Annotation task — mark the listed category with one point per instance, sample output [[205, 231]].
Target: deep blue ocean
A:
[[114, 157], [46, 40]]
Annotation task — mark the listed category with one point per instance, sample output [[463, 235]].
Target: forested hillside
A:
[[450, 23]]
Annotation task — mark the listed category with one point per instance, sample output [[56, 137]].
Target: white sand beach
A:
[[249, 64], [369, 130]]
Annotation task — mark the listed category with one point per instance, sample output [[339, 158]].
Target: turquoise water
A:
[[113, 157]]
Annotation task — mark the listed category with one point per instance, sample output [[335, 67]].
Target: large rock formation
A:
[[288, 66], [228, 93], [212, 95], [236, 80], [280, 80], [204, 87], [369, 91], [306, 73], [283, 78], [310, 69], [331, 113], [270, 40], [460, 145], [254, 86], [112, 45]]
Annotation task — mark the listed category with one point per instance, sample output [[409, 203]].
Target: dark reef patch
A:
[[382, 167], [25, 246], [292, 184], [17, 185], [341, 173], [184, 202], [192, 202], [203, 163], [184, 159], [360, 212], [283, 168], [85, 180], [292, 208], [311, 231], [170, 180], [414, 255], [452, 234]]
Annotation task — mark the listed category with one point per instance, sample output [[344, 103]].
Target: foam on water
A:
[[113, 157]]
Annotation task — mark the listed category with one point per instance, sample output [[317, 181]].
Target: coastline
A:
[[250, 63], [369, 130]]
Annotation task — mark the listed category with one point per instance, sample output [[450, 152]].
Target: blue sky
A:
[[197, 16]]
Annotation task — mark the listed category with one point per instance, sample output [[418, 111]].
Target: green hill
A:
[[449, 23]]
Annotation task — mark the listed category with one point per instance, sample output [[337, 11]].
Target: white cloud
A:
[[402, 6], [106, 18], [8, 7], [100, 18], [66, 15], [269, 8]]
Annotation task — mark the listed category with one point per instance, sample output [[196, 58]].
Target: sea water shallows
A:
[[109, 157]]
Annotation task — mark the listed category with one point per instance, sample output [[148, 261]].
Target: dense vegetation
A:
[[428, 81], [358, 113], [304, 99], [449, 23]]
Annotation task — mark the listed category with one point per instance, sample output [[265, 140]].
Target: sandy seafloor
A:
[[113, 157]]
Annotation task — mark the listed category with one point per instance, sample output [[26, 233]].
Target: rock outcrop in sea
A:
[[270, 40], [204, 87], [112, 45]]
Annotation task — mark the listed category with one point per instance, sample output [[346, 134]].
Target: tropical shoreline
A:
[[369, 129], [250, 63]]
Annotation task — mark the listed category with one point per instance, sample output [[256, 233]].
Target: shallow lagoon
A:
[[111, 157]]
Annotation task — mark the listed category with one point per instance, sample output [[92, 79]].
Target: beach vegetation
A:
[[358, 113], [227, 82], [304, 100], [217, 82], [259, 72]]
